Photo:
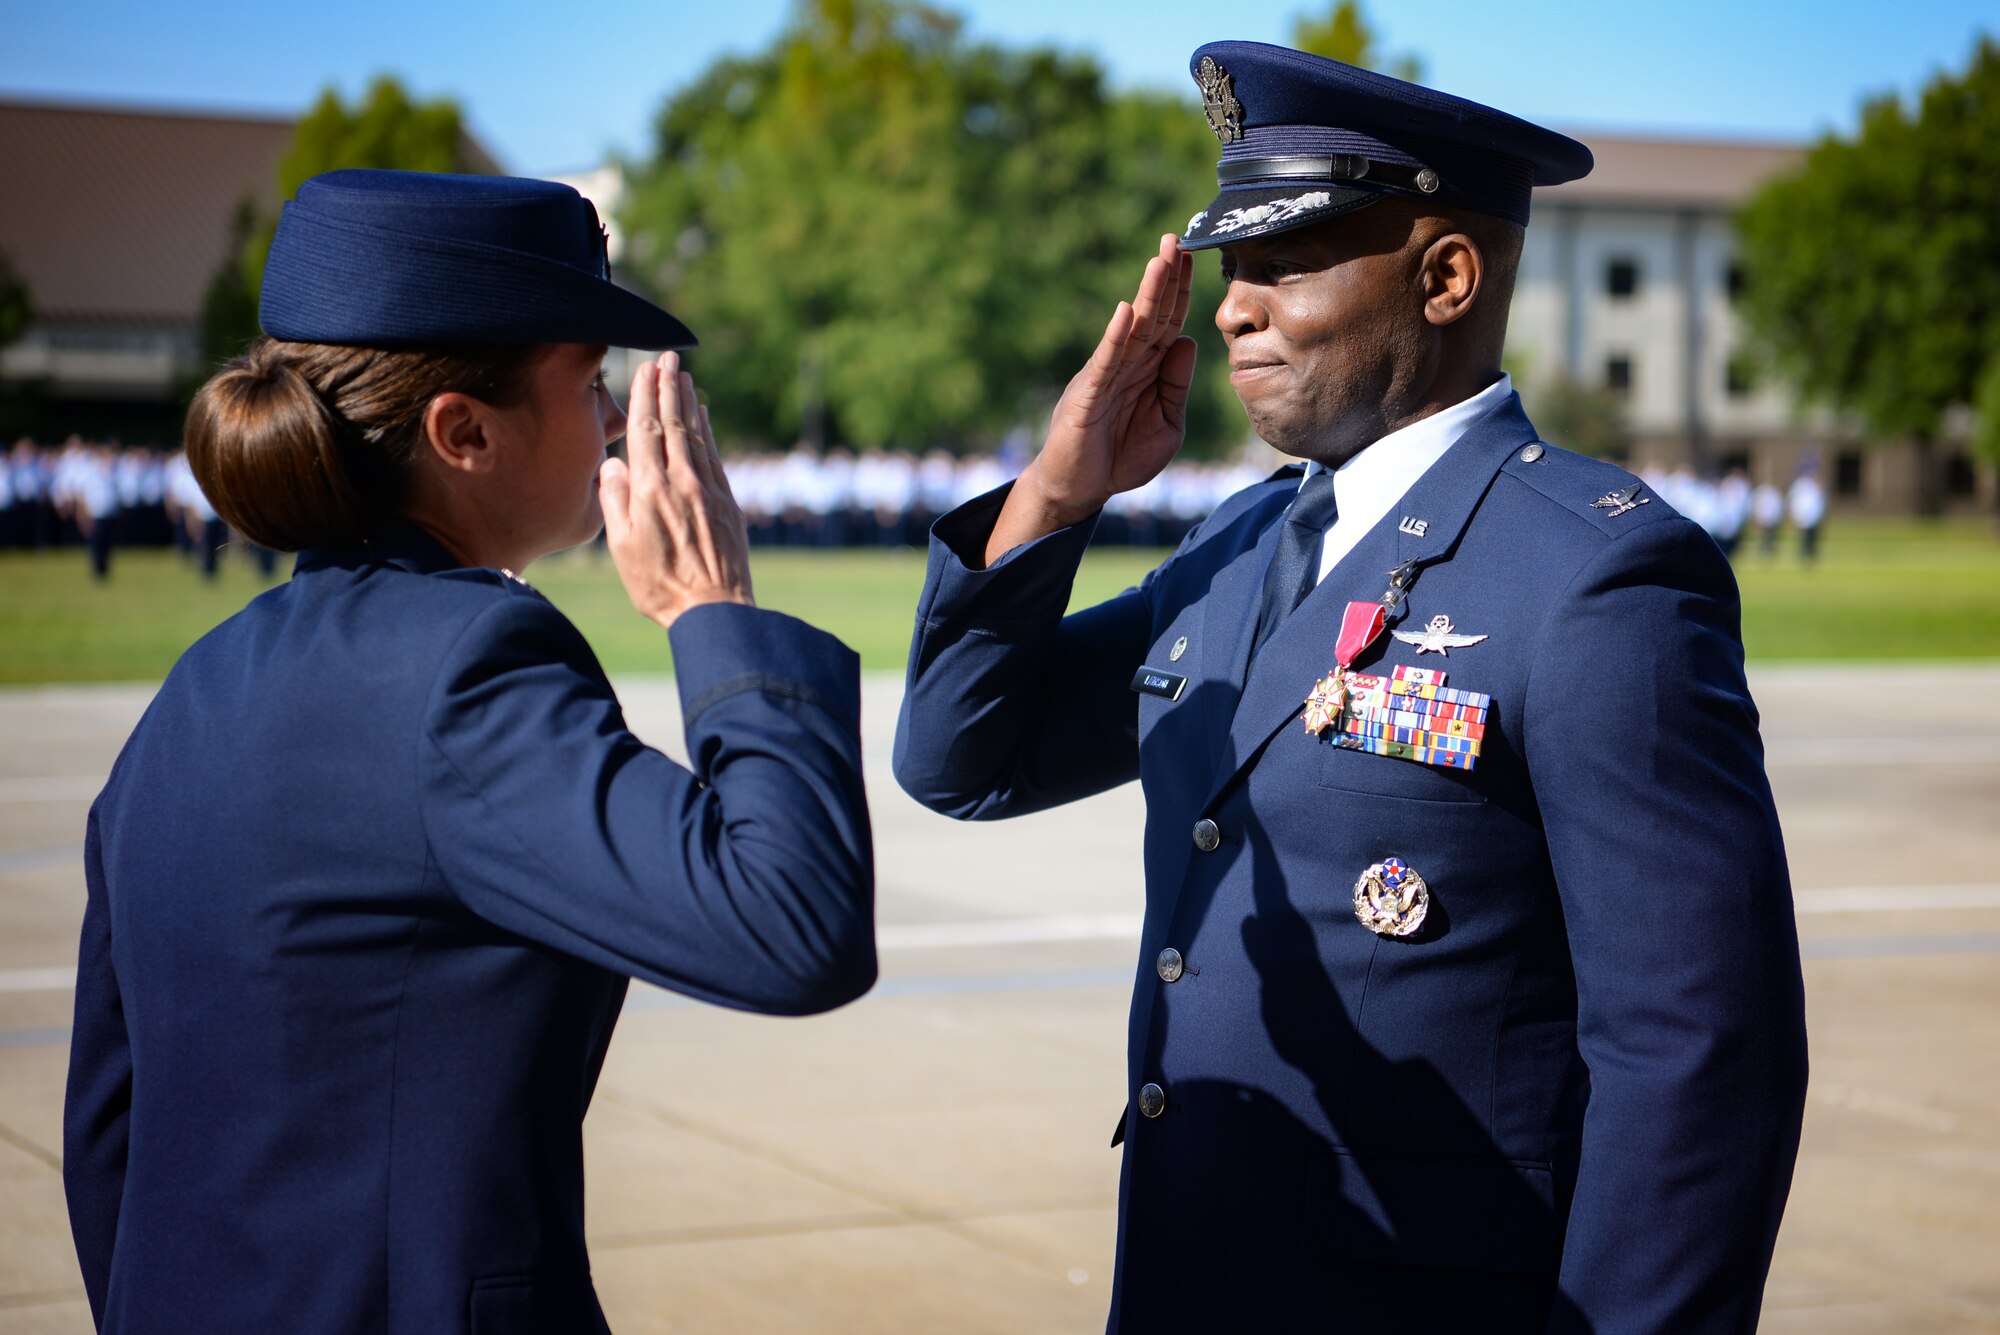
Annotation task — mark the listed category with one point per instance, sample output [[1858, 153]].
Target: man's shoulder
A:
[[1603, 495]]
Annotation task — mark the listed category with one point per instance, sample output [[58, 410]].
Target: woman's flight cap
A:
[[396, 259]]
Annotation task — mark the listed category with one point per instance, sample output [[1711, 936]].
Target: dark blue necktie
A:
[[1295, 564]]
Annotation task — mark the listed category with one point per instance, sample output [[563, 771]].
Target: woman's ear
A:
[[459, 431]]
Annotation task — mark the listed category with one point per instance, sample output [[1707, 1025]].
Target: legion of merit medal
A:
[[1390, 899], [1360, 624]]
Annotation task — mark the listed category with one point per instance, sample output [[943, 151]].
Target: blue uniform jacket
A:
[[365, 888], [1572, 1102]]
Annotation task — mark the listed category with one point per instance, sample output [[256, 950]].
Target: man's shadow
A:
[[1398, 1212]]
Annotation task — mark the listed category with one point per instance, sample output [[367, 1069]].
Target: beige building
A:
[[1628, 281], [118, 219]]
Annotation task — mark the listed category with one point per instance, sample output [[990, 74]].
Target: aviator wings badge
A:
[[1437, 638], [1618, 502]]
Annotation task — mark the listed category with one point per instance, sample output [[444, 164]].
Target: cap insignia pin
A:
[[1618, 502], [1390, 899], [1437, 638], [1218, 100]]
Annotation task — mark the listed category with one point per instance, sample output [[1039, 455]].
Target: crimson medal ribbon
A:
[[1360, 626]]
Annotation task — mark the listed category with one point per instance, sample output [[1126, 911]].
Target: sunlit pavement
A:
[[933, 1158]]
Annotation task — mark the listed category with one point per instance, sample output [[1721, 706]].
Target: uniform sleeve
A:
[[97, 1105], [1642, 741], [1010, 707], [748, 882]]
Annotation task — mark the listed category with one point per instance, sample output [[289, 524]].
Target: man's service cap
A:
[[1305, 138], [402, 259]]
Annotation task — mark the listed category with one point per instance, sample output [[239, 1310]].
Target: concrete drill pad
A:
[[933, 1157]]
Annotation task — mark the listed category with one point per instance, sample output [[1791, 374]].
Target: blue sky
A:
[[551, 89]]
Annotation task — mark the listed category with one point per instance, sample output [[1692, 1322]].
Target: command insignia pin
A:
[[1327, 702], [1437, 638], [1180, 647], [1390, 899], [1218, 100], [1618, 502]]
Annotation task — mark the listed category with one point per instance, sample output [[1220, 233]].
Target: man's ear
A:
[[457, 427], [1453, 272]]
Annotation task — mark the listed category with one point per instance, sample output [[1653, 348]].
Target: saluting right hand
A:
[[1122, 418], [673, 526]]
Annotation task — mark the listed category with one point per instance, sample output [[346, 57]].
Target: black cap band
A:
[[1334, 167]]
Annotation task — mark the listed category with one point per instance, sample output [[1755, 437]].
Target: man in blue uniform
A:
[[1469, 992]]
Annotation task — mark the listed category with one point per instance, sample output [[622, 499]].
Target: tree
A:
[[1344, 35], [17, 307], [1589, 419], [1873, 271], [386, 129], [887, 234], [228, 320]]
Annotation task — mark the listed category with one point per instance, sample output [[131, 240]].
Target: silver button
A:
[[1152, 1100], [1532, 453], [1169, 965], [1427, 181], [1207, 835]]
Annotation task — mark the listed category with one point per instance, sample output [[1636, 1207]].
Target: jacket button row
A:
[[1169, 964], [1207, 835], [1152, 1100]]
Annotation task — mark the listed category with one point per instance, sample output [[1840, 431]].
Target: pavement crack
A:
[[29, 1147]]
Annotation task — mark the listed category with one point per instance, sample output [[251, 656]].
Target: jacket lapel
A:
[[1301, 651]]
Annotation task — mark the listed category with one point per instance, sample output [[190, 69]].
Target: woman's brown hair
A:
[[310, 445]]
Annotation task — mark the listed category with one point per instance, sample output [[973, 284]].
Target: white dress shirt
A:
[[1368, 486]]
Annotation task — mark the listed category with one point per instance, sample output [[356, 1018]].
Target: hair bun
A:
[[271, 456]]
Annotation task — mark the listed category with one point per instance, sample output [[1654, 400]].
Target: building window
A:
[[1621, 277], [1739, 375], [1847, 473], [1733, 280], [1618, 374], [1959, 478]]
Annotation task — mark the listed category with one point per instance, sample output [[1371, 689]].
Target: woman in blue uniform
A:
[[367, 883]]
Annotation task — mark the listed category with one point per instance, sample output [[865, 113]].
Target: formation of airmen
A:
[[102, 496], [1734, 510]]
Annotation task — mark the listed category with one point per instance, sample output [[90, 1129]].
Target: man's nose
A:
[[1241, 311]]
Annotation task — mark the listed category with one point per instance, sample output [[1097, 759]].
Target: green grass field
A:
[[1884, 589]]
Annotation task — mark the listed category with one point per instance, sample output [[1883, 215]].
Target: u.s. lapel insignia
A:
[[1390, 899], [1180, 647], [1414, 526], [1438, 637], [1218, 100], [1618, 502], [1327, 702]]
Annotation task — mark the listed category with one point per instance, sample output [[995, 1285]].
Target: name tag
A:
[[1152, 681]]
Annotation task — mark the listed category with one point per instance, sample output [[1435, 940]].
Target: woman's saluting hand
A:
[[672, 523]]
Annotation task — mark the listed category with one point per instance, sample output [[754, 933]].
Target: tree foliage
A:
[[1873, 271], [1343, 34], [17, 307], [885, 233], [386, 128]]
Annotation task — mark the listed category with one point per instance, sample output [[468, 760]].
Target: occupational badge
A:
[[1218, 99], [1390, 899], [1618, 502], [1437, 638]]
